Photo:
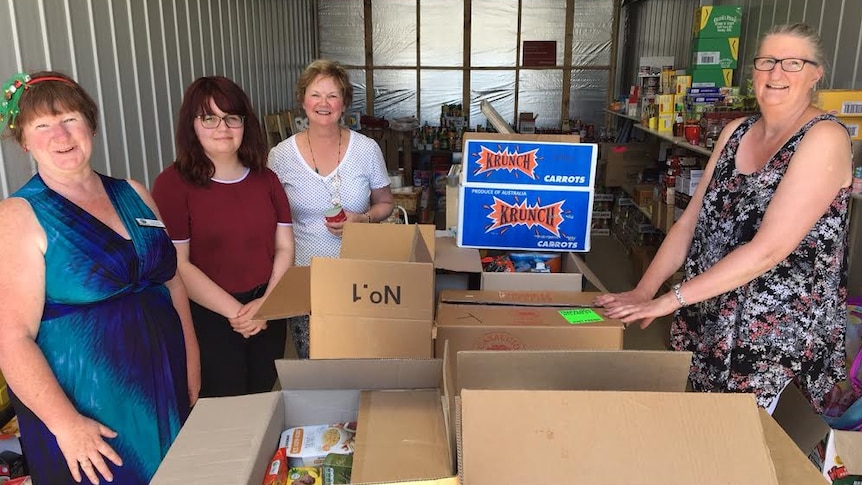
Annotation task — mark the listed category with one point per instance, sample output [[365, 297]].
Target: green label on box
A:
[[577, 316]]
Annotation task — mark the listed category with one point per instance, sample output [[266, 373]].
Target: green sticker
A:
[[577, 316]]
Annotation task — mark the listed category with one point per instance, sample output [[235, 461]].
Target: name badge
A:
[[149, 222]]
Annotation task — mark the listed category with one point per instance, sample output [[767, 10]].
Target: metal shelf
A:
[[676, 140]]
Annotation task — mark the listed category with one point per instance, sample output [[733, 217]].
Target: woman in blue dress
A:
[[96, 341]]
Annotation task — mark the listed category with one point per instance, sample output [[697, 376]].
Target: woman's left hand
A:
[[337, 228], [243, 322], [644, 311]]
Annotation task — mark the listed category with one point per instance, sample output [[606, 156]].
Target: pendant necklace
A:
[[311, 150]]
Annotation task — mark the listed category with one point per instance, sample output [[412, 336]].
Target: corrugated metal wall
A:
[[663, 28], [135, 57]]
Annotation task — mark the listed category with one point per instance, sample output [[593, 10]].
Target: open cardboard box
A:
[[605, 417], [523, 320], [376, 300], [839, 452], [403, 423]]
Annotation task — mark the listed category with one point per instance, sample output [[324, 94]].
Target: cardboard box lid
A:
[[448, 256], [589, 370], [792, 467], [793, 412], [213, 447], [401, 436], [290, 297], [519, 298], [299, 374], [508, 281], [608, 437]]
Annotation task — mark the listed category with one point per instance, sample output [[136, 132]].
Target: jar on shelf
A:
[[713, 130]]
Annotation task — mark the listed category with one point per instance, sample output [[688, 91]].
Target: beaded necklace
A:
[[313, 161]]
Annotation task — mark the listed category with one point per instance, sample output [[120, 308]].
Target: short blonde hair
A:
[[325, 68]]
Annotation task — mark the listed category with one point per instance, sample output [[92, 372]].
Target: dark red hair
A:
[[192, 163]]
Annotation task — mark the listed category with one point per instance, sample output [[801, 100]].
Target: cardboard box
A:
[[720, 78], [853, 123], [838, 452], [573, 270], [715, 53], [376, 300], [230, 440], [523, 320], [717, 21], [527, 123], [624, 162], [662, 215], [526, 192], [455, 268], [840, 102], [606, 417]]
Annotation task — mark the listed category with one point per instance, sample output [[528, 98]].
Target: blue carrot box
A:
[[526, 192]]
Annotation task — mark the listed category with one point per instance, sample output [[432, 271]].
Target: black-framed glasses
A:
[[790, 64], [212, 121]]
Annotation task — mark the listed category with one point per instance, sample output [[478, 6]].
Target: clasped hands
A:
[[243, 323]]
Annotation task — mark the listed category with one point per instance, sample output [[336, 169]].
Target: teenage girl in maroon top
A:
[[229, 219]]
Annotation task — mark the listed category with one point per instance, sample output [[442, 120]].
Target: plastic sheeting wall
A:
[[417, 56], [135, 58], [663, 28]]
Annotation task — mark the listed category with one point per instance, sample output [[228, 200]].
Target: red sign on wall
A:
[[539, 53]]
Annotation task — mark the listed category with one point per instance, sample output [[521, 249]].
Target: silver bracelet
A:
[[678, 294]]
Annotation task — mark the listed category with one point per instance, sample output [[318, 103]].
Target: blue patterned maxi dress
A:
[[786, 324], [109, 332]]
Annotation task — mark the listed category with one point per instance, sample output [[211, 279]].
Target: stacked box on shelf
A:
[[602, 210], [846, 104], [715, 45], [531, 192]]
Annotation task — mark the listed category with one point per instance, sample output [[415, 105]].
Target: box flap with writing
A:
[[290, 297], [372, 288], [212, 447], [607, 437], [448, 256], [499, 316], [359, 373], [792, 467], [401, 436], [576, 370]]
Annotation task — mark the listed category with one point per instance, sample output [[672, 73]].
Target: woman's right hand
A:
[[85, 450], [614, 300]]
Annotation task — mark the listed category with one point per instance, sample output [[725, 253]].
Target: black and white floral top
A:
[[787, 324]]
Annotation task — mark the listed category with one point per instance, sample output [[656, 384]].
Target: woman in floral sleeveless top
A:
[[763, 242]]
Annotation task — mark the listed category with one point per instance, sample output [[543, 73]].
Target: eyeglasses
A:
[[212, 121], [787, 65]]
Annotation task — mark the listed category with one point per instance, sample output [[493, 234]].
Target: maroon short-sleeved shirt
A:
[[229, 225]]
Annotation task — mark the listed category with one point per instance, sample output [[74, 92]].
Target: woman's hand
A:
[[193, 370], [630, 307], [337, 228], [84, 449], [243, 322]]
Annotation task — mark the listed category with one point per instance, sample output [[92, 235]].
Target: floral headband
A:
[[12, 91]]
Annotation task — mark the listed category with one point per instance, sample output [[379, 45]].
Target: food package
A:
[[304, 475], [309, 445], [276, 474], [336, 469]]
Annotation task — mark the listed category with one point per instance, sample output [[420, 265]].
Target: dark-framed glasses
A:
[[212, 121], [790, 64]]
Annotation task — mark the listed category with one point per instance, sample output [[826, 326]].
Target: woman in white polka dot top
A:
[[328, 165]]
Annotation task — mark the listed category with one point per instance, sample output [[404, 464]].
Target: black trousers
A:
[[232, 365]]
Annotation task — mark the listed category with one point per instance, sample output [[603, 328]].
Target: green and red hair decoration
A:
[[12, 91]]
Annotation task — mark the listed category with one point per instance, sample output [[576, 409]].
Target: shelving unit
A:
[[676, 140]]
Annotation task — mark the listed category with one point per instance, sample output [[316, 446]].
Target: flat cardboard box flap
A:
[[291, 296], [448, 256], [794, 413], [791, 466], [520, 298], [582, 370], [367, 374], [608, 437], [401, 435]]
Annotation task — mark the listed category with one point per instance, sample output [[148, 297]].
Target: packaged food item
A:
[[336, 469], [309, 445], [304, 475], [536, 262], [276, 474]]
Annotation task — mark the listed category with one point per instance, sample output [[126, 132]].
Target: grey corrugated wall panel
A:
[[135, 58], [663, 28]]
